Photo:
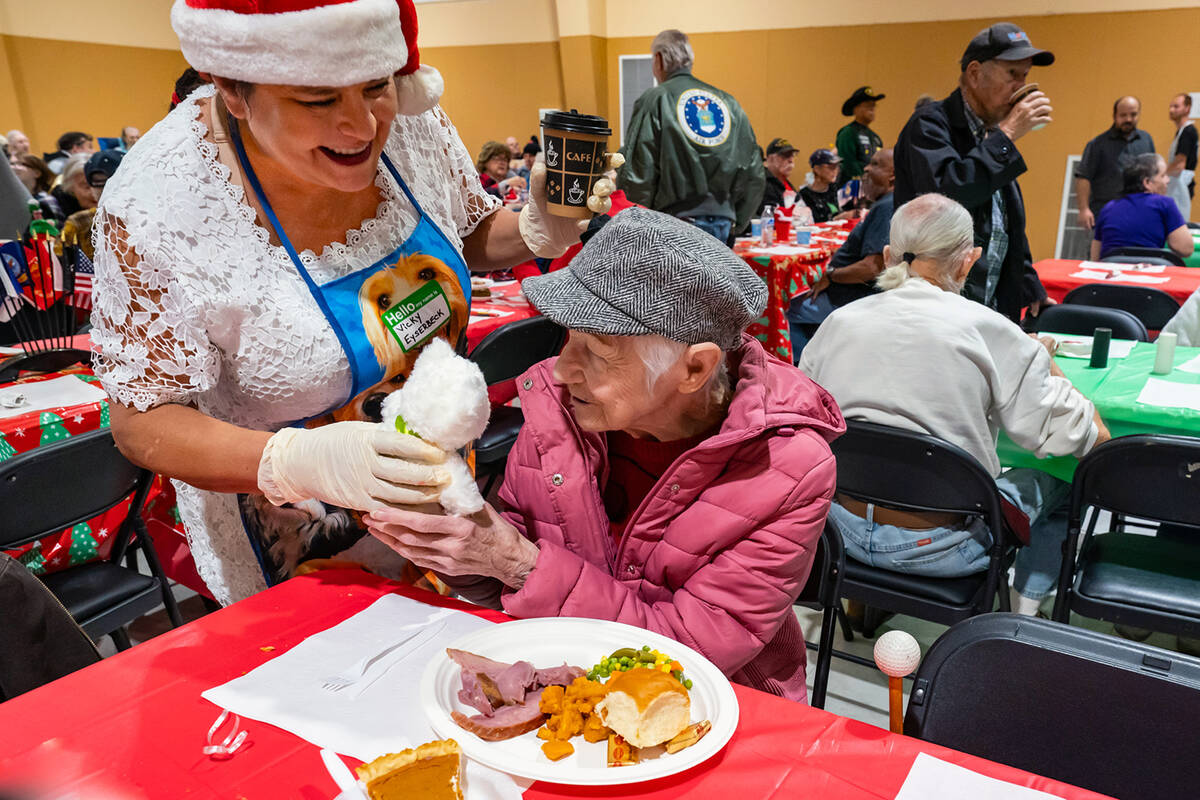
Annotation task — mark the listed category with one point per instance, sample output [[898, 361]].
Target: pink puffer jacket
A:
[[719, 549]]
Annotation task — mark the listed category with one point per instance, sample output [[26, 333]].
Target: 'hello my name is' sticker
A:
[[418, 316]]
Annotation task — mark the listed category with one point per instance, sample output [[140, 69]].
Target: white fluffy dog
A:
[[444, 402]]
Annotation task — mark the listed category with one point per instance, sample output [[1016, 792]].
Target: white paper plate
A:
[[548, 642]]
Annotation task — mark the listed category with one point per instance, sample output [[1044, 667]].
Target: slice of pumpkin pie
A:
[[433, 771]]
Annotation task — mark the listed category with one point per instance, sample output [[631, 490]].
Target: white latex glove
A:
[[356, 465], [548, 235]]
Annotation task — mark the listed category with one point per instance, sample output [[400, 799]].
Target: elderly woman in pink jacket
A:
[[670, 474]]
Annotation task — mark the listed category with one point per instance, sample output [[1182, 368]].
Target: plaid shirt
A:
[[997, 244]]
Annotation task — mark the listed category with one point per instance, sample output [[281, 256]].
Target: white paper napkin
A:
[[1074, 346], [933, 779], [1168, 394], [45, 395], [784, 250], [386, 718], [1191, 365]]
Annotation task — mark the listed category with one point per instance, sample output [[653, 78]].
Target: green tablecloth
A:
[[1194, 259], [1114, 390]]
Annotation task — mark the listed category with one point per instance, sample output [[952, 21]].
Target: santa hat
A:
[[309, 43]]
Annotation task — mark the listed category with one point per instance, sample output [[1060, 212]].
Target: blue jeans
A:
[[804, 315], [955, 552], [717, 226]]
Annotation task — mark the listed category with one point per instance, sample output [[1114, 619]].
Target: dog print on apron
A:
[[382, 316]]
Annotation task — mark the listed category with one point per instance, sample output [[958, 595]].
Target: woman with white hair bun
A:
[[921, 357], [670, 474]]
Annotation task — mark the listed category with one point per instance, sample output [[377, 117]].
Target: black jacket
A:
[[937, 152], [772, 192]]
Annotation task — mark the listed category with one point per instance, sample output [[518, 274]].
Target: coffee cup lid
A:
[[575, 122]]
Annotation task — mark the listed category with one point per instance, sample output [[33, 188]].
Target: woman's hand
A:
[[549, 236], [482, 544], [358, 465]]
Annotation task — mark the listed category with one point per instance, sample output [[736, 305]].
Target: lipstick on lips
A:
[[348, 159]]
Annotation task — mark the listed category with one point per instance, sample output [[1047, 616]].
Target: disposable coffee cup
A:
[[575, 146], [1021, 94]]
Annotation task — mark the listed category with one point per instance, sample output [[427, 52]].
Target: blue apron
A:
[[382, 315]]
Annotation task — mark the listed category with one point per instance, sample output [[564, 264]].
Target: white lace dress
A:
[[193, 305]]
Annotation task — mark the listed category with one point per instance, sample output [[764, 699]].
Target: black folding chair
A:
[[1153, 307], [1083, 321], [912, 471], [1128, 578], [822, 592], [503, 355], [52, 488], [1095, 711], [1143, 255]]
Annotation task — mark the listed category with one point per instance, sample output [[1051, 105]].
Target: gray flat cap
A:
[[646, 272]]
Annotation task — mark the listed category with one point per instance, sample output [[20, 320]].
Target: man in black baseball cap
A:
[[965, 148], [781, 159], [856, 142]]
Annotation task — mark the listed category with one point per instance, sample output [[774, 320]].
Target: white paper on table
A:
[[386, 718], [1073, 346], [1191, 365], [1108, 266], [784, 250], [1090, 275], [69, 390], [493, 313], [933, 779], [1126, 277], [1168, 394]]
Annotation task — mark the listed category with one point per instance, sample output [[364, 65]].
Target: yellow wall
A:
[[107, 87], [495, 92], [789, 62]]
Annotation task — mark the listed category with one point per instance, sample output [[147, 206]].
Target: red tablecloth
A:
[[136, 722], [506, 305], [788, 275], [1056, 277]]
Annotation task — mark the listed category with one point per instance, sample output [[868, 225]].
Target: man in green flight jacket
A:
[[689, 149]]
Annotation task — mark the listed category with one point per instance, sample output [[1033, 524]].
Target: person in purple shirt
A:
[[1143, 216]]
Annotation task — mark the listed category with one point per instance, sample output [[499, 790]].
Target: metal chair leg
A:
[[147, 548], [824, 657], [121, 639], [844, 622]]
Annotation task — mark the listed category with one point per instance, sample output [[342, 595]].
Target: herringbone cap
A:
[[646, 272]]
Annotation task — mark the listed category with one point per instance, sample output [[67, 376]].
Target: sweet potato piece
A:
[[555, 750]]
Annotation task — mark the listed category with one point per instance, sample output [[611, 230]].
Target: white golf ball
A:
[[897, 653]]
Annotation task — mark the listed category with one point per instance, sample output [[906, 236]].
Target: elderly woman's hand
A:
[[481, 544]]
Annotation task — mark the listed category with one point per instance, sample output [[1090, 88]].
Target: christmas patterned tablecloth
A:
[[789, 271], [92, 539]]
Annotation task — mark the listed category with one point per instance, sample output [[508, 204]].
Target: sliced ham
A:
[[556, 676], [504, 723], [472, 694]]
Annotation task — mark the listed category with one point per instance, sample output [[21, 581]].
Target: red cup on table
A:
[[783, 225]]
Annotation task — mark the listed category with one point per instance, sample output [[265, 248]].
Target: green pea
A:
[[687, 684]]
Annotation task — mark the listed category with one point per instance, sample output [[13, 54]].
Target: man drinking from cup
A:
[[965, 148]]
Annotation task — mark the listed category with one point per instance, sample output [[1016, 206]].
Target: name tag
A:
[[418, 316]]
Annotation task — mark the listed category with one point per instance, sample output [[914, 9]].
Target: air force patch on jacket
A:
[[703, 117]]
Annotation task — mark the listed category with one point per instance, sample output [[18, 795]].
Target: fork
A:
[[356, 671]]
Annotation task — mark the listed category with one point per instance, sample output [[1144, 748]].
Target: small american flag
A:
[[84, 270]]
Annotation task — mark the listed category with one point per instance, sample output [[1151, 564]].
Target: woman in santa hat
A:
[[269, 260]]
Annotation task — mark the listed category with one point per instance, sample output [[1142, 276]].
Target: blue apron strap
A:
[[236, 135], [464, 275]]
